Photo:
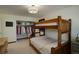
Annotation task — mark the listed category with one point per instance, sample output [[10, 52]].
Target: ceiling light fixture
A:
[[32, 9]]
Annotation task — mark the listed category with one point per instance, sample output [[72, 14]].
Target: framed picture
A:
[[9, 24]]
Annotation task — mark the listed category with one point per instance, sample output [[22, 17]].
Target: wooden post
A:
[[59, 31], [69, 29], [69, 36]]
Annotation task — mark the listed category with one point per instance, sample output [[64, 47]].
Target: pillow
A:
[[37, 34], [41, 33], [36, 30], [51, 40]]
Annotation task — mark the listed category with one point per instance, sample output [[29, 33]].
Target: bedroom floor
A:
[[20, 47]]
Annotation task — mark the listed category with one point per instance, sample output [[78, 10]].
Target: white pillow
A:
[[36, 30], [37, 34], [41, 33]]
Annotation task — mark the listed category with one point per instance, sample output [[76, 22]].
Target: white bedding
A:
[[48, 24], [44, 44]]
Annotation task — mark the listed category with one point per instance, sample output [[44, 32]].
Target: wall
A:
[[70, 12], [0, 28], [10, 32]]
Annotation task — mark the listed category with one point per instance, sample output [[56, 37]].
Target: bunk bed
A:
[[43, 44]]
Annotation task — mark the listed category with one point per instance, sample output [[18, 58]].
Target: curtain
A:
[[23, 31], [18, 28], [29, 31]]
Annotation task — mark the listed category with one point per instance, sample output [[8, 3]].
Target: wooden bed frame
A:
[[64, 26]]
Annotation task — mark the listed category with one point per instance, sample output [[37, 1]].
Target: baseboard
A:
[[22, 38], [18, 40], [11, 42]]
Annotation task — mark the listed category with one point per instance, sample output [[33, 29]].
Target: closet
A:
[[23, 28]]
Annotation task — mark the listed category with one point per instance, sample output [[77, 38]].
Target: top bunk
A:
[[56, 23]]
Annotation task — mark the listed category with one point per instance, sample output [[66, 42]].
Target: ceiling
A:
[[22, 9]]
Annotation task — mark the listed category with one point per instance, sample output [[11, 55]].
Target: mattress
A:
[[44, 44], [48, 24]]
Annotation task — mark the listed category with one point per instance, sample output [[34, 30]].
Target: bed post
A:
[[69, 34], [59, 31], [58, 48]]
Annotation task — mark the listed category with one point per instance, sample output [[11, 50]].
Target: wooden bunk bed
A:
[[62, 26]]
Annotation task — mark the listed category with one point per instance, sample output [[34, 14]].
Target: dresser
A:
[[75, 47]]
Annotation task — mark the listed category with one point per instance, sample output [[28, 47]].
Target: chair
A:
[[3, 45]]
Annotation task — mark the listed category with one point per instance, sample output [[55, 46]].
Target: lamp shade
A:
[[33, 9]]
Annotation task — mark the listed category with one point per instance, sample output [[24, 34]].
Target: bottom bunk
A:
[[46, 45]]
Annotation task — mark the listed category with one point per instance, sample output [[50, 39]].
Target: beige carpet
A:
[[20, 47]]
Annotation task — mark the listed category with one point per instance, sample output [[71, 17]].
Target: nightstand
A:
[[75, 47]]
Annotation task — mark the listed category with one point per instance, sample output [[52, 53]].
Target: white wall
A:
[[70, 12], [0, 28], [10, 32]]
